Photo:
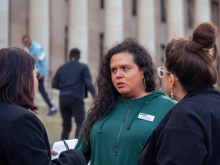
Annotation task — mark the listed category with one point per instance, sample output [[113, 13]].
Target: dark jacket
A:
[[24, 141], [189, 133], [72, 78]]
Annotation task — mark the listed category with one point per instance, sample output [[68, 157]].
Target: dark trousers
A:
[[71, 107], [43, 92]]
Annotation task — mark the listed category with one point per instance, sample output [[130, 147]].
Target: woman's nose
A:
[[119, 74]]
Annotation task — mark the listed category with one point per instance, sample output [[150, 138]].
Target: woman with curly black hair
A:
[[126, 109]]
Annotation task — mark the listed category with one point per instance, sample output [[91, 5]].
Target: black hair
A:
[[26, 36], [75, 53]]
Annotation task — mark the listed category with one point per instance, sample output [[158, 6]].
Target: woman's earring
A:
[[144, 82], [171, 95]]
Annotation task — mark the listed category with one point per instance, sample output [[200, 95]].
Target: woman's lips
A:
[[120, 85]]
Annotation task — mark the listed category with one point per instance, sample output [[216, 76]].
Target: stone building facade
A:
[[95, 25]]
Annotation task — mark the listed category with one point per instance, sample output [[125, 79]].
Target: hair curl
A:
[[107, 94]]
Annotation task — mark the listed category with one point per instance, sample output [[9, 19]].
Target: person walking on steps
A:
[[72, 79], [42, 65]]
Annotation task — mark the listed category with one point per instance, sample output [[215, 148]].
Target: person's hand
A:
[[39, 77], [53, 152]]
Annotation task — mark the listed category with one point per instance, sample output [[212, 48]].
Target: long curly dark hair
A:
[[107, 94]]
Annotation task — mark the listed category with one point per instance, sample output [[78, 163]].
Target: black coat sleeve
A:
[[88, 80], [87, 153], [56, 81], [73, 157], [26, 143]]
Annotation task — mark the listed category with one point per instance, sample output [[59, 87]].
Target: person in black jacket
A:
[[72, 79], [23, 138], [189, 133]]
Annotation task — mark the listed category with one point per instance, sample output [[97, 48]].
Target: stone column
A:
[[202, 11], [78, 27], [4, 28], [18, 22], [57, 34], [175, 19], [38, 23], [146, 24], [94, 37], [158, 37], [127, 18], [113, 22]]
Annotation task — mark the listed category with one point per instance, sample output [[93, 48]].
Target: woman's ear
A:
[[172, 81], [142, 71]]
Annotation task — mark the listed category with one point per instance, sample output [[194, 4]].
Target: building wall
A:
[[57, 34], [18, 21], [4, 28], [94, 37], [62, 27]]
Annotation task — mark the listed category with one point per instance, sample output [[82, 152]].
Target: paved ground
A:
[[53, 124]]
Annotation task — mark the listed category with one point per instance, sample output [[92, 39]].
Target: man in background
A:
[[42, 65], [72, 79]]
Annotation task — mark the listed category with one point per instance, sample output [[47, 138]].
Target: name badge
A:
[[146, 117]]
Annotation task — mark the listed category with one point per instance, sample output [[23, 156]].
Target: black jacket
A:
[[189, 133], [24, 141], [72, 78]]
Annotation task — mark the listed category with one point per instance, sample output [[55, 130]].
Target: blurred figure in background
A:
[[42, 66], [72, 79]]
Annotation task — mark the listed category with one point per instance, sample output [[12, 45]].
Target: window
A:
[[163, 11], [101, 45], [134, 5], [66, 30], [217, 65], [190, 13], [215, 11], [215, 19], [162, 54], [102, 4], [66, 43]]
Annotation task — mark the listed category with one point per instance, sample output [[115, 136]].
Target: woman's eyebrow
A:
[[125, 65], [120, 66]]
